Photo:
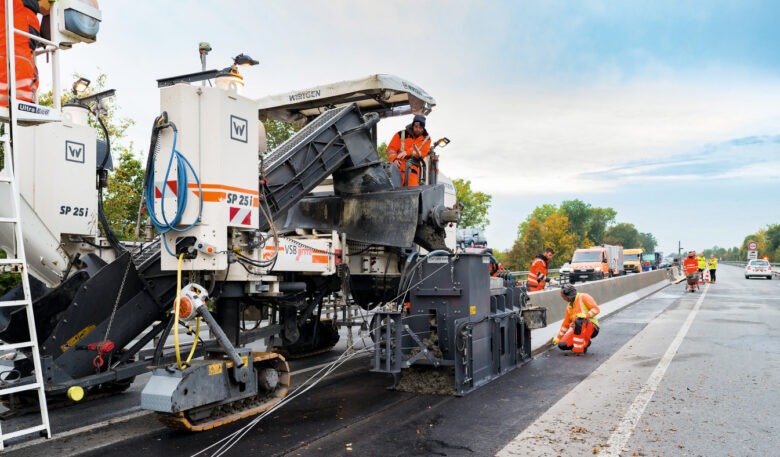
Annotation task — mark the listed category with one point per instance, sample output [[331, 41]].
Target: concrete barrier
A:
[[611, 294]]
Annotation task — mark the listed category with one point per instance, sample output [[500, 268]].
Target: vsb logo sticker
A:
[[238, 129], [74, 152]]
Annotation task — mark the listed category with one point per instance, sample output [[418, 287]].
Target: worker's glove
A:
[[581, 316], [555, 341]]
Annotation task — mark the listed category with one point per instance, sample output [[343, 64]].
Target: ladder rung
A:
[[9, 220], [25, 431], [9, 303], [11, 262], [15, 346], [20, 388], [5, 179]]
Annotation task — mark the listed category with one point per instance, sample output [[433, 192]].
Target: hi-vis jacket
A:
[[537, 276], [691, 265], [406, 150], [702, 262], [582, 304], [25, 19], [712, 263]]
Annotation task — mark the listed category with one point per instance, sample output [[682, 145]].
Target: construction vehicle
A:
[[597, 262], [632, 260], [244, 235], [653, 259]]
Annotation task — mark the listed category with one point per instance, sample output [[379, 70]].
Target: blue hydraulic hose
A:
[[182, 179]]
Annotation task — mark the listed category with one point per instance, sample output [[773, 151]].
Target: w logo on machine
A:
[[239, 129], [74, 152]]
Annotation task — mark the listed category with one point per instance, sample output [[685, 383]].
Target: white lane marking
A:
[[621, 435]]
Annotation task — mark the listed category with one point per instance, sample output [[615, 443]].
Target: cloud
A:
[[516, 139]]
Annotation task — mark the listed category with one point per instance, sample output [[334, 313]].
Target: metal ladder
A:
[[17, 259]]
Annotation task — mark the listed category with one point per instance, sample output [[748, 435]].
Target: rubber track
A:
[[226, 413]]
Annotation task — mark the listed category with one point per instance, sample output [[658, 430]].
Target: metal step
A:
[[9, 220], [26, 431], [16, 346], [11, 262], [20, 388], [9, 303]]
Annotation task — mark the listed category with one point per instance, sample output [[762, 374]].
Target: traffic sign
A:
[[752, 246], [752, 255]]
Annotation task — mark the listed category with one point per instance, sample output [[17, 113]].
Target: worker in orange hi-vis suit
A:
[[691, 265], [579, 325], [407, 150], [25, 19], [537, 276]]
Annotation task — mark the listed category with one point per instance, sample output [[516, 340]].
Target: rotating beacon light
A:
[[229, 78]]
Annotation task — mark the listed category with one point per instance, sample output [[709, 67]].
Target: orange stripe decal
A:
[[319, 259], [210, 196], [224, 187]]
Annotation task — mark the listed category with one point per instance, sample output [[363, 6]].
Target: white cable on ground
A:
[[231, 440]]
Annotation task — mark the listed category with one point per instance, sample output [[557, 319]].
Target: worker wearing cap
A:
[[712, 265], [579, 325], [25, 19], [537, 276], [407, 150]]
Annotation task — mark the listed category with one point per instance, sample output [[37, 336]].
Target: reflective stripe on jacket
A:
[[582, 303], [411, 148], [538, 267]]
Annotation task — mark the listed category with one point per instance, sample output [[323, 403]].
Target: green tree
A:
[[540, 213], [558, 235], [527, 246], [382, 151], [475, 204], [123, 196], [773, 241], [8, 280], [648, 241], [623, 234], [277, 132], [578, 213], [598, 221]]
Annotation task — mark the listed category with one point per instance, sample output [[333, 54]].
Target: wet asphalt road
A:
[[711, 396]]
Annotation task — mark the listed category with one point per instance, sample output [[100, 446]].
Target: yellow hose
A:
[[186, 363], [176, 314], [194, 343]]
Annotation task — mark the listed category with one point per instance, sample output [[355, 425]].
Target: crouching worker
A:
[[579, 324]]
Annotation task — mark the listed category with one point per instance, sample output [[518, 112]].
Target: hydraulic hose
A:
[[111, 237], [176, 306], [162, 223]]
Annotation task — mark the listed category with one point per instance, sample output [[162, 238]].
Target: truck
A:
[[654, 259], [597, 262], [632, 260], [250, 243]]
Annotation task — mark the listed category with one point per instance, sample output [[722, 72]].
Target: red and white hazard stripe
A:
[[240, 215]]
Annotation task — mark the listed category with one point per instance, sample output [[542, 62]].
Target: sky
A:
[[666, 111]]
